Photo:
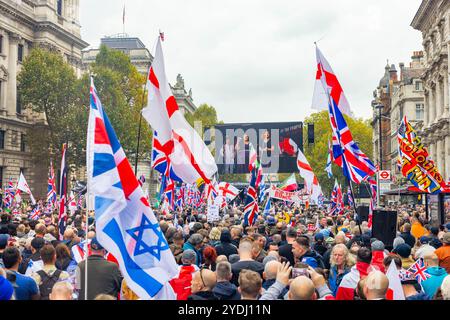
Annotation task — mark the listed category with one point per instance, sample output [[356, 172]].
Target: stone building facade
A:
[[53, 24], [433, 20], [407, 100]]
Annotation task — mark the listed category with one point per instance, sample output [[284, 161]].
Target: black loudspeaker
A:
[[384, 226], [310, 133], [363, 213]]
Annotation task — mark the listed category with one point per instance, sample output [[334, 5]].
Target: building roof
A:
[[122, 42], [409, 74]]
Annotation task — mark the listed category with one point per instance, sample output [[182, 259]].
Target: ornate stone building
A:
[[433, 21], [407, 100], [382, 102], [53, 24]]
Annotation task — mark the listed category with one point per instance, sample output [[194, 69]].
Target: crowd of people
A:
[[289, 254]]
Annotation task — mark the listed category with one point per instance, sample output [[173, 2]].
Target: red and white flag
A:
[[306, 172], [395, 290], [190, 158], [288, 146], [330, 81], [227, 190], [23, 185]]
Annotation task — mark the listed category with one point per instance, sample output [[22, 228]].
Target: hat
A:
[[434, 230], [310, 262], [398, 241], [424, 239], [344, 230], [95, 244], [377, 245], [4, 240], [319, 236], [6, 289], [37, 243], [447, 226], [271, 221], [330, 240], [188, 256], [325, 232], [446, 238], [403, 250]]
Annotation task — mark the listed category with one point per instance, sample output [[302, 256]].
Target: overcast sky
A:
[[254, 60]]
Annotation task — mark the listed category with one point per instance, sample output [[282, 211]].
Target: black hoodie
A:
[[225, 247], [226, 290]]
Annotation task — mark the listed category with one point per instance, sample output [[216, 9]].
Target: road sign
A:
[[385, 175]]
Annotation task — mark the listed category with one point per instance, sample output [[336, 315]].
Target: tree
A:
[[47, 84], [205, 113], [317, 153]]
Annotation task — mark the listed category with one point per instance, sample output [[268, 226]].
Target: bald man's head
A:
[[91, 234], [270, 270], [376, 285], [69, 234], [203, 280], [302, 288], [62, 290]]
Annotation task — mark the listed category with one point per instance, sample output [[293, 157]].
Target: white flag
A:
[[395, 290], [189, 157], [23, 186]]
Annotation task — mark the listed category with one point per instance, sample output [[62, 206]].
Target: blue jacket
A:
[[334, 280], [198, 260], [432, 284]]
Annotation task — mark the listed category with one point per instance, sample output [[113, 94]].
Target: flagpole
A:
[[354, 205], [86, 250], [140, 124]]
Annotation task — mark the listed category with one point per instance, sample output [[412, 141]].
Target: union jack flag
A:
[[160, 158], [9, 194], [355, 164], [337, 204], [351, 202], [419, 271], [169, 192], [36, 213], [251, 203], [51, 188]]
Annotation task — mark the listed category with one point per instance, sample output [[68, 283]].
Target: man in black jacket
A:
[[225, 247], [203, 283], [286, 249], [302, 250], [104, 277], [407, 236], [224, 289]]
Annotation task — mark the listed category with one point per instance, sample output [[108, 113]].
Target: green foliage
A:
[[205, 113], [317, 153], [48, 84]]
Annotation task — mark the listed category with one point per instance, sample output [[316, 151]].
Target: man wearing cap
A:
[[424, 248], [404, 252], [104, 277], [34, 263], [443, 252], [182, 284]]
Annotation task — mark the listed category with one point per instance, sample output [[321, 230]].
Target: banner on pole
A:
[[277, 193]]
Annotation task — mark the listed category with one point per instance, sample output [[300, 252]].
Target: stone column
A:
[[439, 158], [447, 158], [12, 77], [432, 114], [438, 99], [446, 94], [426, 110]]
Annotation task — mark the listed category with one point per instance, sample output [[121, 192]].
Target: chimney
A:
[[393, 73], [402, 67]]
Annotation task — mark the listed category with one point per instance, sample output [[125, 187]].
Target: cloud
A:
[[254, 60]]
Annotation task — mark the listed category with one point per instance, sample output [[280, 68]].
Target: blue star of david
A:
[[141, 247]]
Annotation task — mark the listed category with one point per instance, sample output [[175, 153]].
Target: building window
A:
[[1, 43], [2, 139], [420, 111], [23, 142], [401, 112], [1, 184], [418, 85], [59, 7], [20, 52], [18, 103]]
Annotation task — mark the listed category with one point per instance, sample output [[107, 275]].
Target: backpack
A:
[[47, 283]]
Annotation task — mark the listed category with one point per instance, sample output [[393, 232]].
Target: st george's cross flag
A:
[[229, 191], [395, 290], [125, 223], [23, 186], [306, 172], [189, 157]]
